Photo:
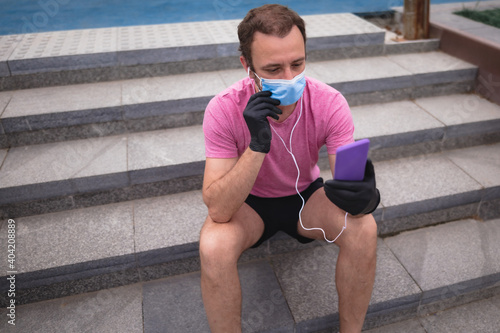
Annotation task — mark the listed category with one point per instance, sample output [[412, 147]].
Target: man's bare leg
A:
[[221, 245], [355, 271]]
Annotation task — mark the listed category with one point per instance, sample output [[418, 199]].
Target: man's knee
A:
[[362, 237], [370, 228], [217, 245]]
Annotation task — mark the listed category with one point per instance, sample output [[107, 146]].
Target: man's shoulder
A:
[[319, 87], [235, 92]]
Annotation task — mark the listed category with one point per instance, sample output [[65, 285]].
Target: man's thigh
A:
[[320, 212]]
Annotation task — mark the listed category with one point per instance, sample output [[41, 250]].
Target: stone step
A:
[[51, 114], [425, 282], [74, 174], [108, 54], [89, 249]]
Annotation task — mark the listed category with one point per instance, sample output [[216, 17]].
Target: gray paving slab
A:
[[339, 24], [423, 183], [155, 43], [5, 97], [64, 160], [470, 120], [223, 32], [163, 36], [429, 62], [71, 237], [65, 98], [435, 68], [175, 304], [109, 310], [40, 108], [67, 168], [163, 148], [231, 76], [167, 228], [350, 70], [394, 291], [459, 109], [64, 50], [7, 46], [412, 326], [307, 280], [173, 87], [450, 259], [479, 316], [385, 120], [3, 154], [483, 164]]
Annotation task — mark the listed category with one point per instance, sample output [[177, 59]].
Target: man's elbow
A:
[[215, 212], [218, 216]]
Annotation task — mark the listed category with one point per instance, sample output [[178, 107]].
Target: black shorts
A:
[[282, 213]]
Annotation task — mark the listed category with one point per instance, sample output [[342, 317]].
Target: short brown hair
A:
[[276, 20]]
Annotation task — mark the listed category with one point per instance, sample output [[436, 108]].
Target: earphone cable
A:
[[297, 181]]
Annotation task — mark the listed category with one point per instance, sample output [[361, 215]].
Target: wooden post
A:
[[416, 19]]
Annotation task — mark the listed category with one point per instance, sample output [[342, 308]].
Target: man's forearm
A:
[[225, 196]]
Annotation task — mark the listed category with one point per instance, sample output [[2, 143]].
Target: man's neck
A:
[[287, 111]]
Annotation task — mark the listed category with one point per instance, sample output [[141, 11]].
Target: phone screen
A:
[[350, 160]]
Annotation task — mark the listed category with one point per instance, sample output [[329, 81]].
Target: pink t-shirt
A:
[[326, 120]]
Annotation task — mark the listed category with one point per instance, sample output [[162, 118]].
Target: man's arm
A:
[[331, 159], [228, 181]]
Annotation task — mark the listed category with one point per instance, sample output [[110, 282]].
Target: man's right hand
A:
[[259, 107]]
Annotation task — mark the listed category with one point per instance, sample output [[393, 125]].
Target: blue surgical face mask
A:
[[286, 91]]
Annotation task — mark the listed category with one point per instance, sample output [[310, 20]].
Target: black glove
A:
[[355, 197], [259, 107]]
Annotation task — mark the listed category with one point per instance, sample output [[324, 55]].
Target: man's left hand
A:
[[355, 197]]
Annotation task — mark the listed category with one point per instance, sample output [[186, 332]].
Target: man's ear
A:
[[244, 63]]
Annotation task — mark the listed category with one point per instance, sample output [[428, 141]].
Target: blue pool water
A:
[[27, 16]]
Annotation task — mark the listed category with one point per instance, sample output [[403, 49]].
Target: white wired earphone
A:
[[297, 181]]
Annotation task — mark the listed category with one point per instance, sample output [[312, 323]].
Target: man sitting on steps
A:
[[262, 138]]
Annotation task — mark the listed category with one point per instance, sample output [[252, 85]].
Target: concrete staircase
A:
[[102, 158]]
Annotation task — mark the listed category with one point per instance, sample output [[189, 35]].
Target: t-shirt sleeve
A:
[[340, 126], [219, 140]]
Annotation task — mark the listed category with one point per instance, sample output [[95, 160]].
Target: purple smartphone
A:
[[350, 160]]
